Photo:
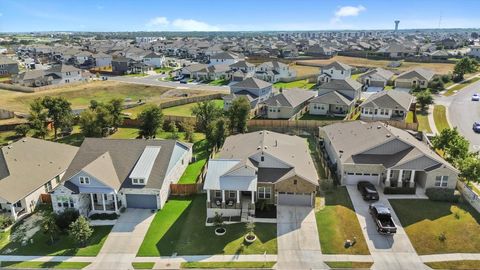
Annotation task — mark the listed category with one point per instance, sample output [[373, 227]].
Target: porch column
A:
[[14, 214], [400, 175], [387, 181], [93, 203], [412, 179], [208, 195], [238, 196], [223, 196], [115, 201], [253, 197], [103, 202]]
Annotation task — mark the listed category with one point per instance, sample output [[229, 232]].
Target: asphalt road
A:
[[462, 112]]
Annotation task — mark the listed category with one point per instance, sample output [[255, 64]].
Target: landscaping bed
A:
[[439, 227], [143, 265]]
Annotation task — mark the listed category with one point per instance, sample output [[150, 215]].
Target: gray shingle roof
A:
[[389, 99], [332, 97], [251, 83], [337, 65], [378, 73], [290, 98], [346, 84], [422, 73]]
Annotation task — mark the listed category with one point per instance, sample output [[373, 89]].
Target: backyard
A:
[[186, 109], [305, 84], [180, 228], [132, 133], [201, 153], [308, 116], [439, 227], [423, 124], [338, 222]]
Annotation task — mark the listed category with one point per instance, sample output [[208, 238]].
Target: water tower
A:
[[397, 22]]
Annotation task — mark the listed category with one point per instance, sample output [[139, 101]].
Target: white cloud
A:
[[348, 11], [163, 23], [158, 21]]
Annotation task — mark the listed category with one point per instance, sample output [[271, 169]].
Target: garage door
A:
[[141, 201], [299, 199], [354, 178]]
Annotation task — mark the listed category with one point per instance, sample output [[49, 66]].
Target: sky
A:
[[230, 15]]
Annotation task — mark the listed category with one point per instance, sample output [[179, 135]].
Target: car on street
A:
[[368, 191], [183, 81], [475, 97], [476, 127], [383, 219]]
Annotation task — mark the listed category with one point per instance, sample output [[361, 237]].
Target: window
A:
[[232, 194], [262, 158], [84, 180], [57, 179], [48, 186], [441, 181], [295, 181], [18, 204], [264, 192], [138, 181], [218, 193]]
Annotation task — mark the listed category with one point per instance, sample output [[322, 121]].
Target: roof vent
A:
[[24, 140], [389, 135], [259, 147], [265, 147], [379, 127]]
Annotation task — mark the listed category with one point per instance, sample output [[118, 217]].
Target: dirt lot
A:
[[440, 68], [102, 91]]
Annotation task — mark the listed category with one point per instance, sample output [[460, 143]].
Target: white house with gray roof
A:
[[378, 77], [387, 105], [274, 71], [418, 77], [288, 103], [108, 174], [255, 90]]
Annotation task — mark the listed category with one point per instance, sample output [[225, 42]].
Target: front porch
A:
[[104, 203], [231, 203]]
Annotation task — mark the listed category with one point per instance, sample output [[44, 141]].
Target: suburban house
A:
[[154, 60], [255, 90], [30, 168], [241, 70], [190, 70], [33, 78], [102, 59], [215, 72], [58, 74], [274, 71], [383, 155], [65, 74], [378, 78], [334, 71], [225, 58], [288, 103], [330, 103], [108, 174], [418, 77], [258, 168], [125, 65], [474, 51], [8, 66], [387, 105]]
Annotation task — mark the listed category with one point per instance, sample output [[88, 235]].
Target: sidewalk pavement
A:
[[431, 120], [450, 257]]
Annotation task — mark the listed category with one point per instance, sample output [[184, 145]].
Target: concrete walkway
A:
[[431, 120], [450, 257], [388, 252]]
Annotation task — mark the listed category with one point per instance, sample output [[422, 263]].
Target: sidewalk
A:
[[431, 120]]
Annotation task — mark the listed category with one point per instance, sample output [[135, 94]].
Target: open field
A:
[[305, 70], [440, 68]]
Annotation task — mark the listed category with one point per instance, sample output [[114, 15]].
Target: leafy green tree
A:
[[59, 112], [104, 119], [22, 130], [454, 145], [187, 127], [206, 112], [151, 119], [38, 119], [216, 133], [470, 168], [173, 128], [80, 230], [115, 106], [238, 114], [424, 99], [464, 66], [88, 124], [49, 226]]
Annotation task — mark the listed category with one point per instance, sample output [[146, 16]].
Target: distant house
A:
[[226, 58], [288, 103], [386, 105], [154, 60], [106, 175], [102, 59], [418, 77], [65, 74], [29, 168], [82, 57], [215, 72], [378, 77], [474, 51], [396, 50], [191, 70], [348, 87], [241, 70], [58, 74], [318, 50], [253, 89], [33, 78], [334, 71], [274, 71], [124, 65], [8, 66]]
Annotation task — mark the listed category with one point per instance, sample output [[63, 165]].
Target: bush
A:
[[399, 190], [5, 221], [446, 78], [436, 85], [442, 195], [104, 216], [65, 218]]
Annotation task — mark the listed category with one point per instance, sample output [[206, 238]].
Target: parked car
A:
[[368, 191], [382, 218], [475, 97], [178, 78], [183, 81], [476, 127]]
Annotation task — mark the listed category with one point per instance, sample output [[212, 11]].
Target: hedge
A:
[[442, 194], [399, 190], [104, 216]]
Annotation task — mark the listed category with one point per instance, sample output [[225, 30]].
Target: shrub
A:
[[442, 195], [65, 218], [104, 216], [446, 78], [399, 190], [442, 237], [5, 221]]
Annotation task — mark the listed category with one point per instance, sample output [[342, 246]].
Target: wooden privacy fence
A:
[[45, 198], [178, 102], [311, 125], [185, 189]]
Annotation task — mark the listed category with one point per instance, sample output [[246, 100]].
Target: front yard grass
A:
[[180, 228], [219, 82], [426, 222], [213, 265], [64, 245], [423, 124], [460, 86], [440, 117], [193, 170], [143, 265], [338, 222], [349, 265], [455, 265], [186, 109], [294, 84], [55, 265]]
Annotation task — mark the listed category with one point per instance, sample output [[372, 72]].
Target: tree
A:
[[151, 119], [115, 106], [80, 230], [88, 124], [216, 133], [464, 66], [173, 128], [22, 130], [187, 127], [454, 145], [238, 114], [38, 119], [104, 119], [424, 99], [470, 168], [49, 226], [59, 111], [206, 112]]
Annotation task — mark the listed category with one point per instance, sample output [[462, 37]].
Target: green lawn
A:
[[186, 109], [56, 265], [194, 169], [455, 265], [6, 136], [143, 265], [388, 87], [180, 228], [425, 221], [350, 265], [213, 265], [163, 69], [409, 118], [136, 75], [423, 124], [338, 222], [473, 188], [219, 82], [440, 117], [132, 133], [321, 117], [294, 84], [460, 86], [64, 245]]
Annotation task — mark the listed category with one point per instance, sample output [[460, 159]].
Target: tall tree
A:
[[88, 124], [470, 168], [187, 127], [49, 226], [454, 145], [424, 99], [464, 66], [173, 128], [22, 130], [38, 119], [59, 112], [238, 114], [151, 119], [104, 119], [206, 112], [216, 133], [115, 106], [80, 230]]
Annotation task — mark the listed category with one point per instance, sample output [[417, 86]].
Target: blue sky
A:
[[229, 15]]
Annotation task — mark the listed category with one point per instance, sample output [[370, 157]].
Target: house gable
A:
[[388, 148], [295, 184], [419, 164]]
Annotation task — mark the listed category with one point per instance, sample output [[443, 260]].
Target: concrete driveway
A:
[[123, 242], [297, 239], [388, 252]]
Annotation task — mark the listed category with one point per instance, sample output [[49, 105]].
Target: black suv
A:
[[368, 191]]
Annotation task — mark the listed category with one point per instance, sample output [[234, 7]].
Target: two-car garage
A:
[[295, 199], [143, 201], [354, 178]]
